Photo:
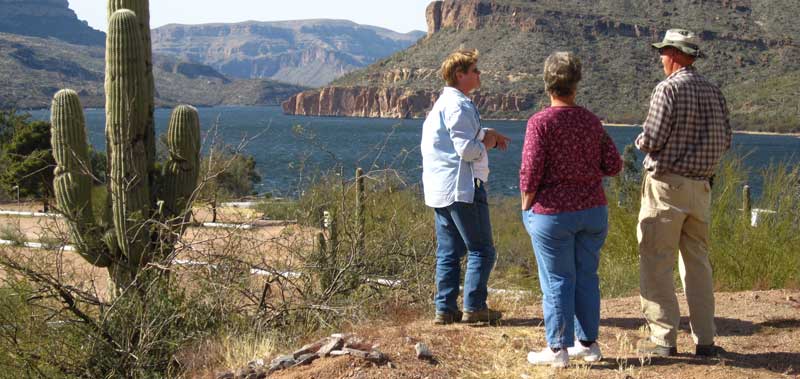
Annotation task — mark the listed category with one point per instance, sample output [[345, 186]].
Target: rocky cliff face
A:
[[310, 53], [388, 102], [748, 42], [47, 18]]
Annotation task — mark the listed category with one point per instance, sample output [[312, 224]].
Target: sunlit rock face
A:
[[47, 18], [748, 43]]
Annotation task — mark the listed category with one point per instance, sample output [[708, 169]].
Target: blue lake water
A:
[[379, 143]]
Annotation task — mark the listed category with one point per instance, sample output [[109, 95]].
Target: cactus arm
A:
[[72, 183], [126, 129], [142, 10], [183, 166]]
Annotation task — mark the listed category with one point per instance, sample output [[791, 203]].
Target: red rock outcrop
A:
[[392, 102]]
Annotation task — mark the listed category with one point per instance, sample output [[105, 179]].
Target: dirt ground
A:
[[272, 246], [760, 332]]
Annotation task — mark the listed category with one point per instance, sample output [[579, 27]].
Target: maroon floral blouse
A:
[[567, 153]]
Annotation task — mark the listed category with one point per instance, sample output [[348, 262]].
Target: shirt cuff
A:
[[482, 134]]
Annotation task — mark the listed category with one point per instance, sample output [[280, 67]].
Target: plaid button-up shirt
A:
[[688, 128]]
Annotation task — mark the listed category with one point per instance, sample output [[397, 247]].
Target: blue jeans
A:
[[567, 248], [464, 229]]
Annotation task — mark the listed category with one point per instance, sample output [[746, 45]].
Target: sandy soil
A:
[[759, 330], [271, 247]]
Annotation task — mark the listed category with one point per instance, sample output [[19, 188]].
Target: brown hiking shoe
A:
[[447, 318], [650, 348], [486, 315]]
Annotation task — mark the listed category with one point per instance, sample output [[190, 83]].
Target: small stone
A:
[[226, 375], [306, 359], [356, 353], [334, 343], [256, 363], [310, 348], [359, 345], [391, 365], [377, 357], [244, 373], [282, 362], [423, 352], [258, 374]]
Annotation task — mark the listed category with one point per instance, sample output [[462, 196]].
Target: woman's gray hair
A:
[[562, 72]]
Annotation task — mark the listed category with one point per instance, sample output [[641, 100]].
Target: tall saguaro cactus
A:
[[140, 211], [142, 10]]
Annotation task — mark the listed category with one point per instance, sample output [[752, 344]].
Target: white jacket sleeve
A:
[[465, 132]]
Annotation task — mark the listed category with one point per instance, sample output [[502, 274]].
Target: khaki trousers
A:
[[675, 216]]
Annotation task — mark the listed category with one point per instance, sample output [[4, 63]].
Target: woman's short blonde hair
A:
[[562, 72], [459, 61]]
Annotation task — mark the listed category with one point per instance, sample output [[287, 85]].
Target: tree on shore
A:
[[27, 158], [227, 174]]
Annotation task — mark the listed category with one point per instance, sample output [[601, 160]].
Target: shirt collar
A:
[[682, 71], [452, 91]]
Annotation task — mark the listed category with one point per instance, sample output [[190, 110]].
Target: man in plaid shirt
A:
[[685, 135]]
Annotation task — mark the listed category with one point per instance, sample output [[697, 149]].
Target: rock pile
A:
[[334, 346]]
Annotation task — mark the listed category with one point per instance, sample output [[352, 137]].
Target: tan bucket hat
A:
[[682, 40]]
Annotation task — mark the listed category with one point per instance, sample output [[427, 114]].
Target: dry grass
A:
[[760, 331]]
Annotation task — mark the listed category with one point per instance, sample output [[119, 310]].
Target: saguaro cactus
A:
[[183, 167], [142, 10], [72, 182], [139, 210]]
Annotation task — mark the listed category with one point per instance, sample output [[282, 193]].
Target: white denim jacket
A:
[[453, 154]]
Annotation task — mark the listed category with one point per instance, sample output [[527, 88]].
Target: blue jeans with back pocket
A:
[[464, 229], [567, 247]]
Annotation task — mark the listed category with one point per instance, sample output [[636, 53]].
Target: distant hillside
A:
[[47, 18], [33, 69], [308, 52], [753, 48]]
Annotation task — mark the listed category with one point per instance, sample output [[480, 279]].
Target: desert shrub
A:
[[762, 257], [52, 329], [10, 232], [279, 209]]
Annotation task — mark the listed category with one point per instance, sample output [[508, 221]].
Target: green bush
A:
[[51, 329], [279, 209], [11, 232]]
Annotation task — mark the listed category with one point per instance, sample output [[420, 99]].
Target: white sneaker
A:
[[548, 357], [589, 354]]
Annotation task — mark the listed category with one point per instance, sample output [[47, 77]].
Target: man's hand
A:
[[490, 139], [527, 200], [494, 139]]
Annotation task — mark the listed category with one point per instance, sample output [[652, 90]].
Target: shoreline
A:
[[746, 132], [610, 124]]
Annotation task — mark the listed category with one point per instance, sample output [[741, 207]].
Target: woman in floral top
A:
[[566, 155]]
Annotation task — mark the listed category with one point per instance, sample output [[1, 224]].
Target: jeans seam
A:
[[558, 312]]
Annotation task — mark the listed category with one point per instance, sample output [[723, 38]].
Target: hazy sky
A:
[[401, 16]]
